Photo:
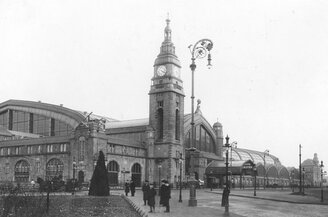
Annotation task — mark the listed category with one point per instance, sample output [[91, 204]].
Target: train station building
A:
[[41, 140]]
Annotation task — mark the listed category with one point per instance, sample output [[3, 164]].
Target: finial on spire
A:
[[167, 31]]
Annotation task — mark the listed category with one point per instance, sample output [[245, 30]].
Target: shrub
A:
[[99, 182]]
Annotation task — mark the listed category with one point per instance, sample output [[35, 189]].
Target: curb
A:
[[135, 207], [277, 200]]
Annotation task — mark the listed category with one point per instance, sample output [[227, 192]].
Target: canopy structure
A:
[[218, 168]]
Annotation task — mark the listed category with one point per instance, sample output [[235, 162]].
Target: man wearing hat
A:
[[165, 195], [145, 189]]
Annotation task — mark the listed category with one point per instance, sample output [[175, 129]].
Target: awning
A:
[[238, 168]]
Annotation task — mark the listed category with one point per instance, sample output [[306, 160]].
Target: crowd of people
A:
[[149, 194]]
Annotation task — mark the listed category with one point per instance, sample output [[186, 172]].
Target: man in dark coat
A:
[[165, 195], [127, 188], [132, 188], [151, 197], [145, 189]]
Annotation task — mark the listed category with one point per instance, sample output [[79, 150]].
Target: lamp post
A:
[[303, 173], [74, 167], [159, 177], [233, 145], [123, 171], [227, 145], [198, 51], [180, 164], [292, 180], [255, 171], [211, 178], [300, 155], [266, 152], [321, 184]]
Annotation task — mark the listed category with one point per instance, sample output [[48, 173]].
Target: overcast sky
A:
[[268, 85]]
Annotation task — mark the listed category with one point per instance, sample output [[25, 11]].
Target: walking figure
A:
[[132, 188], [145, 189], [127, 188], [165, 195], [151, 197]]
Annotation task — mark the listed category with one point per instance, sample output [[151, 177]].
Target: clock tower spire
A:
[[166, 108]]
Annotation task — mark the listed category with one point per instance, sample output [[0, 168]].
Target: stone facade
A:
[[40, 140]]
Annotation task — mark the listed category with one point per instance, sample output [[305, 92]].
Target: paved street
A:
[[242, 203]]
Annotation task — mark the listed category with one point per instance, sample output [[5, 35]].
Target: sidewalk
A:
[[207, 198], [274, 195], [179, 209]]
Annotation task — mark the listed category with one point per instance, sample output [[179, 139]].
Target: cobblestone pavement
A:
[[242, 203]]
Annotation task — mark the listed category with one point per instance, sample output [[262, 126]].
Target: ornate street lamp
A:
[[292, 180], [211, 178], [198, 51], [300, 155], [321, 184], [159, 177], [74, 167], [303, 173], [255, 172], [233, 145], [266, 152], [180, 164], [227, 145], [123, 171]]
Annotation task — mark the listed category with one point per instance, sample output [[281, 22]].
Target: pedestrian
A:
[[127, 188], [145, 189], [151, 197], [165, 195], [225, 196], [132, 188]]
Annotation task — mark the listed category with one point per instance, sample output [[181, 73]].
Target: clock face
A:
[[161, 70], [176, 71]]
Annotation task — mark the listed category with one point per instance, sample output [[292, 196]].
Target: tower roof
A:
[[167, 52]]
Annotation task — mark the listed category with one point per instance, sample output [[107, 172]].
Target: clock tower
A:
[[166, 112]]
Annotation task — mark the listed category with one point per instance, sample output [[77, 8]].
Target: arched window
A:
[[160, 123], [177, 124], [113, 169], [136, 174], [22, 171], [81, 148], [55, 167], [203, 140]]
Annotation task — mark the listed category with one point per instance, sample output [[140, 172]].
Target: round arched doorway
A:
[[113, 169], [55, 168], [136, 174], [22, 171]]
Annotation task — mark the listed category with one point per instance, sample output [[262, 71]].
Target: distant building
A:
[[312, 169]]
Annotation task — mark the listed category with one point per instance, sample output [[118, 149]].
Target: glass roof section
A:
[[268, 160], [257, 158], [235, 156], [245, 156]]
